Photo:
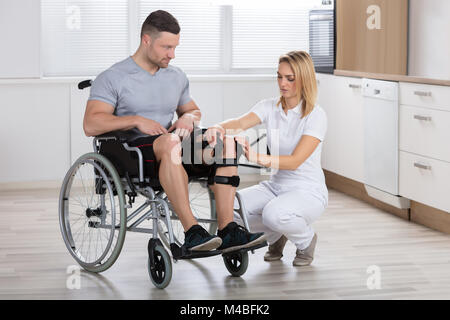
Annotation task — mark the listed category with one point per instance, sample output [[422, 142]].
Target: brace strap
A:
[[233, 181]]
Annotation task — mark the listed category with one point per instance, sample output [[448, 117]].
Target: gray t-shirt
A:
[[132, 90]]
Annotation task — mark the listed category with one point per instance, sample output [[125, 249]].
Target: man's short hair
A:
[[159, 21]]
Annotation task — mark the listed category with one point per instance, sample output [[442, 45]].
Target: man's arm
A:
[[188, 115], [190, 111], [99, 119]]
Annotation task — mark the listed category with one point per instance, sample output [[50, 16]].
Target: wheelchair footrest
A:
[[258, 246], [180, 253]]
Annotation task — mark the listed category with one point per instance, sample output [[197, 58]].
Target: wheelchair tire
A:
[[203, 205], [90, 203], [236, 262], [160, 271]]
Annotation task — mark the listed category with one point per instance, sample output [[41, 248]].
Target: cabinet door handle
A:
[[354, 86], [423, 93], [422, 166], [423, 118]]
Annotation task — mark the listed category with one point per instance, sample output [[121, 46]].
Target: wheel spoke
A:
[[91, 243]]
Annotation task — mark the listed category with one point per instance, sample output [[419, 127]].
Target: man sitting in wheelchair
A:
[[140, 95]]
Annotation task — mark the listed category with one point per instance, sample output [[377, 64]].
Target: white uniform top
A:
[[283, 135]]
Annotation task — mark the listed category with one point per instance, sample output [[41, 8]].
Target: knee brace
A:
[[221, 162], [233, 180]]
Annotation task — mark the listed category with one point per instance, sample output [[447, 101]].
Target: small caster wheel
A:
[[160, 267], [236, 262]]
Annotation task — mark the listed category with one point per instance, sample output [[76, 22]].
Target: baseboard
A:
[[430, 217], [358, 190], [30, 185]]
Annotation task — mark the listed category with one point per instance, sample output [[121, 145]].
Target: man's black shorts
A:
[[125, 161]]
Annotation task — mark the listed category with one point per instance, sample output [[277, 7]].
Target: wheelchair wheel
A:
[[236, 262], [92, 213], [160, 271], [203, 205]]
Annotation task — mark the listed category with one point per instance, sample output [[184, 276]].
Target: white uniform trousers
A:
[[280, 210]]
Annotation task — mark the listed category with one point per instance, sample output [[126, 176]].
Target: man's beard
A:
[[163, 63]]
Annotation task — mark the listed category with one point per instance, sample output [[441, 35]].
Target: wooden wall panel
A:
[[382, 50]]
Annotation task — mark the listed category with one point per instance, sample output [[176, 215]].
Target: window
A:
[[261, 34], [85, 37], [201, 35]]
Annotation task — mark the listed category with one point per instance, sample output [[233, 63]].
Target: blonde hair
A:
[[305, 79]]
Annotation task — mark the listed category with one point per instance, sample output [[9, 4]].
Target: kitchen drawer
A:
[[425, 180], [425, 132], [427, 96]]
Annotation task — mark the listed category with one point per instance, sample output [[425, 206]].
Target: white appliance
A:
[[381, 109]]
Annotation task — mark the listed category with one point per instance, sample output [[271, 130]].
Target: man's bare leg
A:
[[223, 193], [233, 237], [173, 177]]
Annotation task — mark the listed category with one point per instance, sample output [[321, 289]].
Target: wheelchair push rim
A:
[[92, 213]]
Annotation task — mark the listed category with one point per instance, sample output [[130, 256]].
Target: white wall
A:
[[429, 41], [19, 39], [34, 131], [41, 132]]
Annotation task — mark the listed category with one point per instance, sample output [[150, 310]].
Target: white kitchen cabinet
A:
[[343, 148], [425, 131], [424, 144], [425, 180], [426, 96]]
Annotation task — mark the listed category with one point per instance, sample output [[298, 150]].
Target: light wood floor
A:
[[414, 261]]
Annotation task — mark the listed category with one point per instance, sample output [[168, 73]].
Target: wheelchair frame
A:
[[156, 197]]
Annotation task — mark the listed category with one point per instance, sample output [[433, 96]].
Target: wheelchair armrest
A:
[[119, 135]]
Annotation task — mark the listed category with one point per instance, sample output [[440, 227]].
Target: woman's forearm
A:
[[277, 162], [232, 126]]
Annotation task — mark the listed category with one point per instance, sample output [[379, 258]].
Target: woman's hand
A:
[[183, 127], [249, 153], [212, 132]]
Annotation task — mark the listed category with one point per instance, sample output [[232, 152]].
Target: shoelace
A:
[[198, 234], [238, 232]]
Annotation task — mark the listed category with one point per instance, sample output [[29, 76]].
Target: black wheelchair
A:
[[98, 191]]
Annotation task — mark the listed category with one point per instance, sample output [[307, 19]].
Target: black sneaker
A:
[[198, 239], [235, 237]]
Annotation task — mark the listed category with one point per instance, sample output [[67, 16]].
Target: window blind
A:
[[261, 35], [201, 32], [85, 37], [82, 37]]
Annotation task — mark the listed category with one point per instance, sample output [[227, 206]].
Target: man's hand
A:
[[149, 126], [211, 134], [183, 126]]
